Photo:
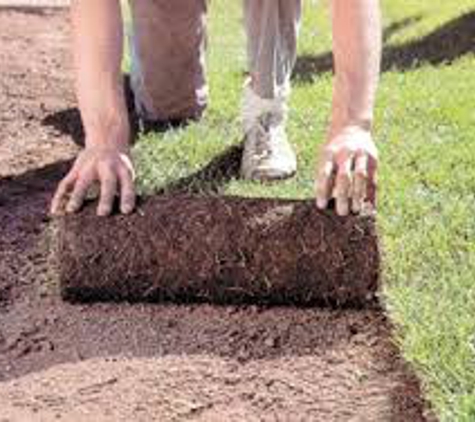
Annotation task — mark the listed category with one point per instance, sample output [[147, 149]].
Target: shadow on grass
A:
[[444, 45], [211, 178]]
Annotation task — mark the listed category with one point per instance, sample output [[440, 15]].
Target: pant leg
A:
[[272, 29], [168, 58]]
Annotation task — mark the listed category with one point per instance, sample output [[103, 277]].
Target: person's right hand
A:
[[111, 167]]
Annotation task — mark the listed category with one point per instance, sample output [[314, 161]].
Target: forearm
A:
[[357, 56], [97, 49]]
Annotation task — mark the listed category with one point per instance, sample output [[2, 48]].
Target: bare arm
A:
[[349, 158], [97, 49]]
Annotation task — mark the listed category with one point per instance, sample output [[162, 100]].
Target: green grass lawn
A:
[[425, 130]]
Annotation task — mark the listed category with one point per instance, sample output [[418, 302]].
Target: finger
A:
[[372, 182], [61, 192], [127, 192], [342, 191], [325, 183], [108, 190], [360, 183], [79, 193], [128, 165]]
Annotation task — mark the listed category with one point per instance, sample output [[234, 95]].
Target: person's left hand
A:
[[347, 171]]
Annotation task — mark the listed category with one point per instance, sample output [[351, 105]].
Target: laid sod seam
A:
[[425, 119]]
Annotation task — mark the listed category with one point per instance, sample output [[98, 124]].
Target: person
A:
[[169, 82]]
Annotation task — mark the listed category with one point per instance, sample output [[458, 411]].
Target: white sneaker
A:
[[268, 154]]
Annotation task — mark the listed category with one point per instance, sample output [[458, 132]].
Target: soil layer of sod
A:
[[195, 362]]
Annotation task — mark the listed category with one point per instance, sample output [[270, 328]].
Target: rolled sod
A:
[[221, 250]]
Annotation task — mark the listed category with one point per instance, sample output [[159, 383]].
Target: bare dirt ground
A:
[[153, 362]]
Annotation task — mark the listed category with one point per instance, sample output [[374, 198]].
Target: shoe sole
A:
[[269, 178]]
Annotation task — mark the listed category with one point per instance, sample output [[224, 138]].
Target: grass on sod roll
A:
[[425, 130]]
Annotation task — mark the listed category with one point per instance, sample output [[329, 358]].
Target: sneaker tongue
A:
[[254, 107]]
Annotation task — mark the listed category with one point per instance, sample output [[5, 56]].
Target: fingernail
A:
[[322, 203], [71, 208], [342, 210], [127, 209], [356, 207], [102, 212]]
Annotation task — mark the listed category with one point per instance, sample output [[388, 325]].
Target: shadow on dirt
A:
[[68, 121], [24, 203], [26, 187], [443, 46]]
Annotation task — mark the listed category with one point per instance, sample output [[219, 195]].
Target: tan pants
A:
[[168, 52]]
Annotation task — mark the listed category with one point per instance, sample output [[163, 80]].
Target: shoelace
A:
[[260, 116], [264, 146]]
